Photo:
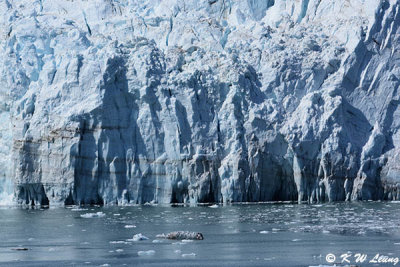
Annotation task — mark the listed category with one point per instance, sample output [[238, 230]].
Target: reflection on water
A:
[[280, 234]]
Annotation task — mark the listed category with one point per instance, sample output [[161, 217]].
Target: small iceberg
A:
[[93, 215], [214, 206], [264, 232], [129, 226]]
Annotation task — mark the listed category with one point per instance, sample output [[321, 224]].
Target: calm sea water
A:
[[279, 234]]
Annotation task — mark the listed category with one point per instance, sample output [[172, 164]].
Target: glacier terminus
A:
[[112, 101]]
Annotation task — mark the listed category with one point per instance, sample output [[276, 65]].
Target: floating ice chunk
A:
[[189, 255], [264, 232], [178, 251], [129, 226], [146, 253], [296, 240], [78, 209], [118, 242], [138, 237], [214, 206], [157, 241], [119, 250], [325, 231], [93, 215], [187, 240]]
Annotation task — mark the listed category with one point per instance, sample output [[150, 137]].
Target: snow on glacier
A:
[[113, 101]]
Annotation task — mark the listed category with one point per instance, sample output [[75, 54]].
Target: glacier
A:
[[111, 101]]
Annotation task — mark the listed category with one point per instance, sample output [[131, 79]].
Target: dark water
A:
[[235, 235]]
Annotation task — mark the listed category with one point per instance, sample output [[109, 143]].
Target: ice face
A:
[[199, 101]]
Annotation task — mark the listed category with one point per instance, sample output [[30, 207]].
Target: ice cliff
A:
[[112, 101]]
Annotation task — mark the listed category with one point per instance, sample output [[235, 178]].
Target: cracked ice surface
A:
[[112, 101]]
